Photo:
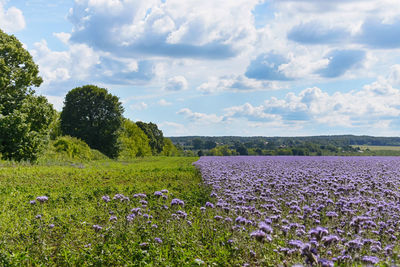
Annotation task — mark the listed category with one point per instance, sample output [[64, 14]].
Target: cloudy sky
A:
[[223, 67]]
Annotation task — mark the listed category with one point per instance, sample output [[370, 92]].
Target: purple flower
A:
[[265, 227], [209, 205], [51, 226], [113, 219], [130, 217], [178, 202], [218, 218], [260, 236], [158, 240], [97, 228], [42, 199], [370, 259], [158, 194], [106, 198], [32, 202], [164, 191]]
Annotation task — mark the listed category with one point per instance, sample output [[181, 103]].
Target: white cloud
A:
[[164, 103], [57, 101], [200, 117], [75, 63], [173, 128], [11, 19], [177, 83], [139, 106], [173, 28], [236, 83]]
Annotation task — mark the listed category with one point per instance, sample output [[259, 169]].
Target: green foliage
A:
[[93, 115], [133, 141], [169, 149], [71, 149], [55, 126], [156, 138], [197, 143], [24, 117]]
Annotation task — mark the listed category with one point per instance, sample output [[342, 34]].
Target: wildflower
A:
[[155, 226], [130, 217], [144, 245], [42, 199], [265, 227], [370, 259], [164, 191], [177, 201], [113, 219], [330, 239], [158, 240], [199, 261], [325, 263], [39, 216], [51, 226], [218, 218], [260, 236], [158, 194], [209, 205], [32, 202], [97, 228], [106, 198]]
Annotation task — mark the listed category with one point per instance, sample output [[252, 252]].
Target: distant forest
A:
[[309, 145]]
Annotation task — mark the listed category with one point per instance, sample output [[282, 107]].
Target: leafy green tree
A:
[[24, 117], [93, 115], [133, 141], [169, 148], [155, 135], [197, 143], [209, 144]]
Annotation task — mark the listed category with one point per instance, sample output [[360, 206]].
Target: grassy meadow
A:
[[77, 226]]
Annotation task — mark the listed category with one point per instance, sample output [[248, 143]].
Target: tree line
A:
[[28, 122]]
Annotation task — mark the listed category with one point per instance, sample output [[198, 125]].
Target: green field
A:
[[76, 227]]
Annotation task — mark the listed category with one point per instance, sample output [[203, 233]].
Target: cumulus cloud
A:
[[341, 61], [11, 19], [177, 83], [167, 28], [314, 33], [267, 67], [236, 83], [363, 108], [380, 34], [198, 117], [57, 67]]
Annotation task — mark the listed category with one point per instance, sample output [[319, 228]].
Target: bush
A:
[[71, 149]]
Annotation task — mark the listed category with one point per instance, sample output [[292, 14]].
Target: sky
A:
[[223, 67]]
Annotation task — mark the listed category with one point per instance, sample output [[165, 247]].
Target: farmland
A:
[[159, 211]]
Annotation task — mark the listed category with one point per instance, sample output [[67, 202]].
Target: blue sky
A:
[[222, 67]]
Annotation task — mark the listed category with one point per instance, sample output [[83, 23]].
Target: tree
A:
[[24, 117], [133, 141], [197, 143], [156, 138], [93, 115], [169, 148], [209, 144]]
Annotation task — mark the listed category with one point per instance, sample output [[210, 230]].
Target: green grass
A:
[[63, 233], [75, 204]]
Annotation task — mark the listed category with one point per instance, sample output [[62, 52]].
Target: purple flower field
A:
[[311, 210]]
